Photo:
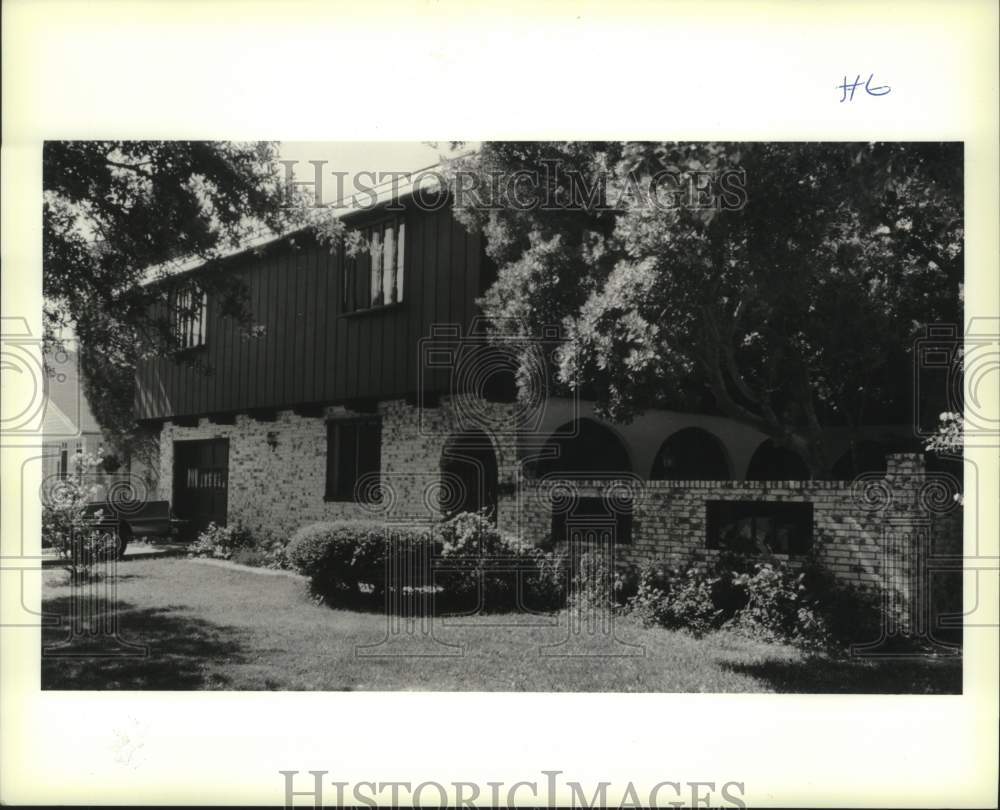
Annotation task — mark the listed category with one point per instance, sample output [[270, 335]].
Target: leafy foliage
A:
[[466, 561], [118, 215], [766, 600], [501, 571], [66, 525], [240, 544], [791, 312]]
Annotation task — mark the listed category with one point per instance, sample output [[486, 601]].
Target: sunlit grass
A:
[[207, 627]]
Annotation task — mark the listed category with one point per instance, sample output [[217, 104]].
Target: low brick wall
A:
[[878, 531]]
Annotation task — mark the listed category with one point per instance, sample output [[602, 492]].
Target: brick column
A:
[[907, 501]]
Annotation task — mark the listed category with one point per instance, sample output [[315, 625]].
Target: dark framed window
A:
[[759, 527], [189, 310], [353, 453], [375, 275], [591, 515]]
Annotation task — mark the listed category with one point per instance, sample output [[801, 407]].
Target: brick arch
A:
[[773, 463], [585, 448], [691, 454]]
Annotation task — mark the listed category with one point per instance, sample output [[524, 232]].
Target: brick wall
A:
[[879, 530], [282, 488], [873, 531]]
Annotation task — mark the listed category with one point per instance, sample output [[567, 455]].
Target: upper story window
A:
[[374, 277], [189, 307]]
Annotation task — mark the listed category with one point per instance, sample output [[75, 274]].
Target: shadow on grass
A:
[[178, 648], [858, 676]]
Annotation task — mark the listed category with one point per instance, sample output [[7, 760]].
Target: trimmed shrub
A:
[[467, 562], [346, 558]]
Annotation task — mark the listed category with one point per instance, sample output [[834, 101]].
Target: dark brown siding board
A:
[[309, 351], [444, 278], [412, 302], [459, 269], [287, 337], [275, 322], [342, 336], [328, 360], [317, 340], [221, 361], [304, 387], [428, 274], [249, 347], [296, 362]]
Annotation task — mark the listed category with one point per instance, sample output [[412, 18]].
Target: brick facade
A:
[[874, 531], [281, 488]]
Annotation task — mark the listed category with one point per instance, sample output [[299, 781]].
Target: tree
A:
[[780, 284], [119, 217]]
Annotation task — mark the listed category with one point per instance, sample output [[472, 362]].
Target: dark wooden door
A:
[[201, 483]]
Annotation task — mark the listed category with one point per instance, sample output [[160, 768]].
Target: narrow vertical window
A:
[[401, 237], [190, 310], [374, 276], [353, 451]]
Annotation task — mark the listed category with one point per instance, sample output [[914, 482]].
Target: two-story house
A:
[[365, 389]]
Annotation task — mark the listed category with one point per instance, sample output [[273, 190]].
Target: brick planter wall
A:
[[878, 531]]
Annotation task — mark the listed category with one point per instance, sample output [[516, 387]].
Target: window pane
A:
[[348, 271], [389, 265], [375, 250], [347, 459], [399, 261], [362, 289]]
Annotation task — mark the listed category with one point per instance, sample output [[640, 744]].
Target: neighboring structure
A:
[[68, 427], [365, 389]]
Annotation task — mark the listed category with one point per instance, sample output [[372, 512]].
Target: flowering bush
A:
[[241, 544], [677, 598], [69, 527], [760, 599]]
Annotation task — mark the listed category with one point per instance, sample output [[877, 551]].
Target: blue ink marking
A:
[[881, 90]]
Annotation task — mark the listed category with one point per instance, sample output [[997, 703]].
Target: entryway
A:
[[201, 483]]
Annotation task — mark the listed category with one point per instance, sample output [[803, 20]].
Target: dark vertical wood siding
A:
[[311, 352]]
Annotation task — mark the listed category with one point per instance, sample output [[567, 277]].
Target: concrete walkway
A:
[[137, 550]]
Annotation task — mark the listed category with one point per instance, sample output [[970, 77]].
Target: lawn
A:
[[209, 627]]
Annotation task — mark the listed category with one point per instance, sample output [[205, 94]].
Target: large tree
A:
[[121, 216], [781, 284]]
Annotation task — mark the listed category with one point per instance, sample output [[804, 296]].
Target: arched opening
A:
[[865, 457], [773, 463], [469, 474], [584, 448], [691, 454]]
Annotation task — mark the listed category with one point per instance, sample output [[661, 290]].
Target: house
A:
[[365, 389], [68, 424]]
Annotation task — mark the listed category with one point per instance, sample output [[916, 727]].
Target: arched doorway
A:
[[469, 474], [773, 463], [691, 454]]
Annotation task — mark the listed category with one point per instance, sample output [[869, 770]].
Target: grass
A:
[[208, 627]]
